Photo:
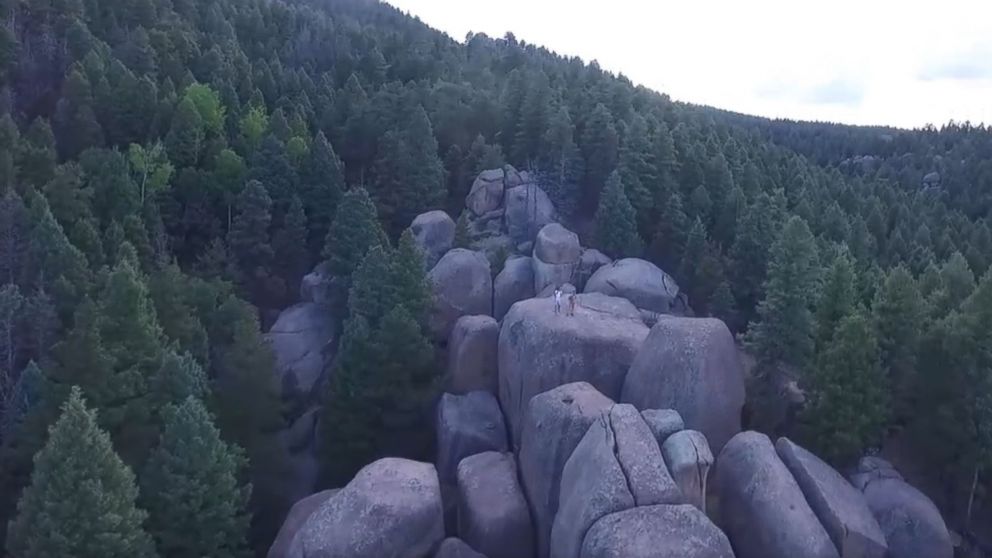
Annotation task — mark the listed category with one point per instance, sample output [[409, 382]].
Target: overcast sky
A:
[[900, 63]]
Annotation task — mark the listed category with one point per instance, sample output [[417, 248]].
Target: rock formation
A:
[[515, 282], [662, 531], [472, 355], [466, 425], [688, 456], [639, 281], [492, 513], [462, 285], [434, 232]]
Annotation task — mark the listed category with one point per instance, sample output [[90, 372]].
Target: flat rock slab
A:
[[840, 507], [391, 508], [554, 423], [540, 350], [690, 365], [762, 509], [492, 513], [662, 531]]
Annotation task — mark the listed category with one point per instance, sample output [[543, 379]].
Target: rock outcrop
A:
[[540, 350], [466, 425], [462, 286], [839, 506], [661, 531], [456, 548], [527, 209], [404, 498], [302, 340], [911, 523], [690, 365], [513, 284], [487, 192], [556, 256], [688, 456], [616, 466], [492, 513], [663, 423], [434, 232], [762, 509], [472, 355], [295, 519], [639, 281], [317, 285], [590, 261], [553, 425]]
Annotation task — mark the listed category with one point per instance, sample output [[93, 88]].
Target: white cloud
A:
[[900, 63]]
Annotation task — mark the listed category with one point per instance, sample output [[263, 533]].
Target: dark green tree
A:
[[600, 144], [462, 238], [562, 162], [248, 239], [323, 186], [186, 135], [289, 245], [838, 299], [899, 314], [616, 222], [353, 232], [190, 486], [81, 501]]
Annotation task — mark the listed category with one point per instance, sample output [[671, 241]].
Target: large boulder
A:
[[514, 283], [486, 193], [616, 466], [557, 245], [690, 365], [911, 523], [297, 516], [492, 512], [462, 285], [663, 423], [528, 208], [316, 286], [871, 468], [547, 276], [689, 459], [762, 509], [554, 424], [842, 509], [472, 355], [639, 281], [434, 233], [456, 548], [466, 425], [391, 508], [302, 341], [590, 261], [540, 350], [661, 531]]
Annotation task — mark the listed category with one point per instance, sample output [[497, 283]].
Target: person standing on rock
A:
[[571, 304], [557, 300]]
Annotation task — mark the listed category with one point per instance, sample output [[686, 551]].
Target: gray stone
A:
[[472, 355], [540, 350], [557, 245], [456, 548], [841, 509], [689, 459], [549, 276], [528, 208], [762, 509], [912, 525], [513, 176], [639, 281], [492, 512], [297, 516], [486, 193], [316, 285], [302, 340], [690, 365], [554, 424], [661, 531], [462, 285], [663, 423], [434, 233], [466, 425], [590, 261], [872, 468], [300, 434], [513, 284], [391, 508], [616, 466]]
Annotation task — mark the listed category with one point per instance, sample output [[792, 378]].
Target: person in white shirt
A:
[[557, 300]]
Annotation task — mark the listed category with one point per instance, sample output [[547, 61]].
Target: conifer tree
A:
[[323, 179], [186, 136], [956, 282], [849, 396], [373, 292], [723, 306], [412, 289], [271, 166], [248, 239], [837, 299], [190, 486], [600, 144], [562, 162], [637, 171], [178, 377], [616, 222], [899, 312], [81, 501], [668, 242], [353, 232], [462, 238], [785, 326], [290, 246]]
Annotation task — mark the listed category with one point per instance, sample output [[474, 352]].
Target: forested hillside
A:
[[170, 169]]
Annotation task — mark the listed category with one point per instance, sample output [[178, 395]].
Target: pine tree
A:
[[36, 160], [248, 238], [637, 172], [373, 291], [837, 299], [81, 501], [535, 111], [956, 282], [178, 377], [462, 238], [190, 486], [412, 289], [785, 326], [616, 222], [272, 168], [323, 179], [186, 136], [899, 313], [290, 247], [849, 396], [668, 242], [353, 232], [562, 162], [749, 253], [600, 144], [723, 306]]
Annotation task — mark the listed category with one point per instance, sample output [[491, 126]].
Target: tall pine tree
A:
[[616, 222]]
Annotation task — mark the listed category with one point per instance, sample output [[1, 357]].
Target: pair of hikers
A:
[[571, 302]]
